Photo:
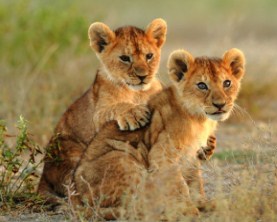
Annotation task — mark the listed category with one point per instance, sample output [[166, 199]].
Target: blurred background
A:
[[46, 62]]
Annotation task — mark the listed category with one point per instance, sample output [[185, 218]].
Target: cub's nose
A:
[[219, 105], [141, 78]]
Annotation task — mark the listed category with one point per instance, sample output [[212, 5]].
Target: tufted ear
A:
[[157, 30], [100, 36], [234, 58], [178, 64]]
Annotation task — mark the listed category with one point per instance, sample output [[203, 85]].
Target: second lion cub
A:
[[184, 115]]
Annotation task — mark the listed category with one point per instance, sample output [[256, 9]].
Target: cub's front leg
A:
[[205, 153], [128, 116], [195, 179]]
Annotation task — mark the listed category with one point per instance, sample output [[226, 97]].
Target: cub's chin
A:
[[139, 87], [218, 116]]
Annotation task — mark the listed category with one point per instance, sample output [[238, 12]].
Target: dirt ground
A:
[[35, 217]]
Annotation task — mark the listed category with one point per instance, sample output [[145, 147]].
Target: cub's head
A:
[[207, 86], [129, 55]]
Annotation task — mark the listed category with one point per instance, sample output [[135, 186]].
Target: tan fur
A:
[[183, 118], [120, 92]]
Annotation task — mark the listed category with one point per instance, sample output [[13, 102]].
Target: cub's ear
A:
[[234, 58], [178, 64], [157, 30], [100, 35]]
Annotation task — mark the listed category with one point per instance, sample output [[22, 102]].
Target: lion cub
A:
[[124, 82], [184, 115]]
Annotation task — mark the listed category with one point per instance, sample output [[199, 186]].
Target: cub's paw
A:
[[205, 153], [134, 118]]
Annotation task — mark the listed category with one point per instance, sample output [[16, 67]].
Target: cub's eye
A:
[[202, 86], [149, 56], [125, 58], [226, 83]]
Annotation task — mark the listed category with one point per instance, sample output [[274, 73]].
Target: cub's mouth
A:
[[217, 112], [139, 84], [219, 115]]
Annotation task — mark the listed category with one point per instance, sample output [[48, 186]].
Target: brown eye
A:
[[125, 58], [202, 86], [226, 83], [149, 56]]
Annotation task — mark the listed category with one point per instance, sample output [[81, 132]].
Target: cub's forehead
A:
[[210, 68], [129, 31], [132, 40]]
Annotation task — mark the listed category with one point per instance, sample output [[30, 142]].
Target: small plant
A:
[[18, 166]]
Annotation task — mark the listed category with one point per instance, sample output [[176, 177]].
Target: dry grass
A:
[[244, 181]]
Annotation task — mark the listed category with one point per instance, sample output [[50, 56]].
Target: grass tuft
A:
[[18, 166]]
